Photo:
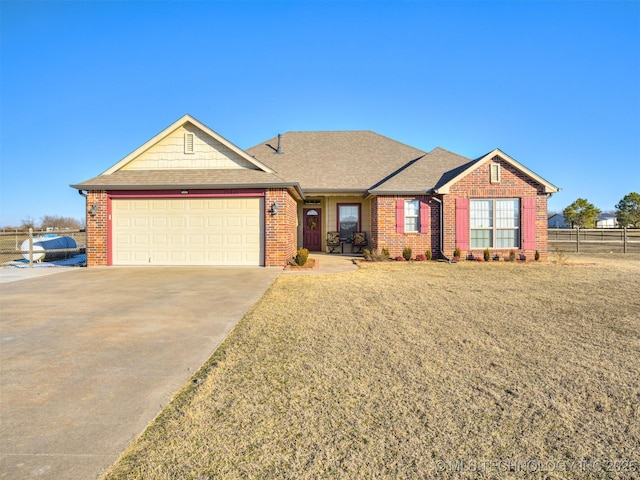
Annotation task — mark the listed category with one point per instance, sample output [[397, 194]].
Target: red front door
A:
[[311, 229]]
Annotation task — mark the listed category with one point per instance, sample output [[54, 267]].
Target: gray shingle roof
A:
[[335, 160], [433, 169], [360, 161]]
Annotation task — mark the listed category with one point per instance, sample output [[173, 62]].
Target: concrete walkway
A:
[[88, 357]]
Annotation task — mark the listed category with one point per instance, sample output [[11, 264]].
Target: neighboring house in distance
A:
[[557, 220], [190, 197], [607, 220]]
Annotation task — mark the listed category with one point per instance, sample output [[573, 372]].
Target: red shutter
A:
[[462, 223], [528, 223], [425, 213], [399, 216]]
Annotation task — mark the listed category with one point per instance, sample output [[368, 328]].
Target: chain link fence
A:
[[29, 248]]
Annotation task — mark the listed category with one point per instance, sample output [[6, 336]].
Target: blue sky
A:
[[556, 85]]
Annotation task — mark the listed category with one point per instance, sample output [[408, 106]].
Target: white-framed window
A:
[[495, 173], [494, 223], [411, 215], [188, 142]]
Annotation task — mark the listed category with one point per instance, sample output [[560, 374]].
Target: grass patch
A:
[[397, 370]]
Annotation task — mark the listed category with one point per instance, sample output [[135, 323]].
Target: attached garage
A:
[[187, 231]]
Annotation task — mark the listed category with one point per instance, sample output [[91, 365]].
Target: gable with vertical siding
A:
[[170, 153]]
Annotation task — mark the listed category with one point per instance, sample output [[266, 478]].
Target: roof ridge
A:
[[450, 151], [330, 131]]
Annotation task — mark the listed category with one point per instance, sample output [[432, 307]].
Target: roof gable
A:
[[473, 165], [167, 151]]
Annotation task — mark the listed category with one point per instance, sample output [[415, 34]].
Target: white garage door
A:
[[207, 231]]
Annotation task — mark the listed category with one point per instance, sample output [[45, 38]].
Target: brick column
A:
[[280, 230], [97, 229]]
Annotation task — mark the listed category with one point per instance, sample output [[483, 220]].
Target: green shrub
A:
[[406, 253], [366, 253], [537, 255], [512, 256], [385, 253], [302, 256], [487, 254], [457, 252], [428, 255]]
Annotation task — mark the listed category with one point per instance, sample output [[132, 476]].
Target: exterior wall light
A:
[[94, 209], [274, 208]]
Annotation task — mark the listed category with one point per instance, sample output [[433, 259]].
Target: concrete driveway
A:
[[88, 357]]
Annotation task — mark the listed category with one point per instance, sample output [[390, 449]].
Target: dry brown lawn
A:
[[417, 370]]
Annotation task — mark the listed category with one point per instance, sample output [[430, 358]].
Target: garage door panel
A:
[[140, 222], [216, 221], [178, 257], [196, 221], [177, 239], [159, 222], [140, 206], [196, 240], [233, 221], [160, 240], [187, 231]]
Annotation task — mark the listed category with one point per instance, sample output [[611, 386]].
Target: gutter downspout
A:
[[448, 260], [85, 195]]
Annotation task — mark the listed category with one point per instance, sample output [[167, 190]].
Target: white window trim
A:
[[494, 228], [416, 216]]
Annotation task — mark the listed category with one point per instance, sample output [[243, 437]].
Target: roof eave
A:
[[194, 186], [399, 192], [334, 191]]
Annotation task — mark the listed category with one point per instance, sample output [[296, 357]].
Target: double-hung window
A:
[[348, 219], [411, 215], [494, 223]]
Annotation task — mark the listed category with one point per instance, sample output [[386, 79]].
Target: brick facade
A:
[[383, 227], [280, 230], [513, 184], [280, 233]]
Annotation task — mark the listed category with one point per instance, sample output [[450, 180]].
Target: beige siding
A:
[[169, 153], [329, 207], [331, 213]]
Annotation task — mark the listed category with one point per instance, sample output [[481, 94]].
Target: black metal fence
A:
[[20, 247], [595, 240]]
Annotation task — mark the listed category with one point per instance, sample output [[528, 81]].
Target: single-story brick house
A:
[[190, 197]]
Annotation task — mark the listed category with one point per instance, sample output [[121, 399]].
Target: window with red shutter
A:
[[400, 216], [462, 223]]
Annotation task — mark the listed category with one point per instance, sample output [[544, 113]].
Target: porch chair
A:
[[333, 241], [359, 242]]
